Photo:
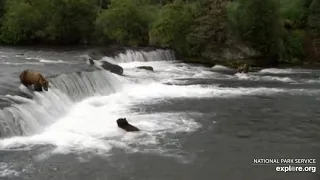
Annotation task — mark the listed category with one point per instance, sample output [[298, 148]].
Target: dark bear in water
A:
[[28, 78], [109, 66], [123, 123], [149, 68]]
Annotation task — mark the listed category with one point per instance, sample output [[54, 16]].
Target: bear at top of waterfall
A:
[[123, 123], [29, 77]]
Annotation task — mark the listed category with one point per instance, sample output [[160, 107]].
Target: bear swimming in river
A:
[[123, 123], [28, 77]]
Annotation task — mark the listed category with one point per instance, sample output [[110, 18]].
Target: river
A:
[[196, 122]]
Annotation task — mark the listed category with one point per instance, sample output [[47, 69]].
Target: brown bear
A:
[[123, 123], [28, 77]]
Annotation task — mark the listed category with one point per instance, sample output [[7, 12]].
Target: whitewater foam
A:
[[7, 170], [30, 116], [95, 100], [283, 71], [220, 67], [91, 126], [91, 123], [165, 71], [243, 76], [52, 61], [142, 56]]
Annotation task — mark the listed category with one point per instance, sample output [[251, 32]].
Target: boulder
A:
[[149, 68], [112, 67]]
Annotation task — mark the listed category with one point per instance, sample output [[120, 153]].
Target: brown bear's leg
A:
[[37, 87], [23, 78]]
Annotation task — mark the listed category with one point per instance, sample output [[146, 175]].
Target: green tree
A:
[[67, 21], [314, 16], [258, 25], [210, 29], [20, 23], [124, 22], [1, 8], [59, 21], [172, 26], [295, 11]]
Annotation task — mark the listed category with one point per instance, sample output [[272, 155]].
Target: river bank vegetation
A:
[[263, 33]]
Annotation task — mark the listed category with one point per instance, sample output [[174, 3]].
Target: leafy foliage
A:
[[293, 47], [124, 22], [68, 21], [210, 27], [259, 24], [172, 26], [19, 23], [295, 11], [197, 29], [314, 16], [54, 21]]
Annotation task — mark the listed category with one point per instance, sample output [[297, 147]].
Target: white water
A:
[[220, 67], [90, 124], [29, 117], [283, 71], [7, 170], [134, 56], [264, 78]]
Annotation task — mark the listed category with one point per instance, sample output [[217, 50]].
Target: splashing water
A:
[[79, 112]]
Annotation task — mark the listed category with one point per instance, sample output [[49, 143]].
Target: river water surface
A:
[[196, 122]]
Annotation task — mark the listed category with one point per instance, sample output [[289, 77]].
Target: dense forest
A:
[[268, 31]]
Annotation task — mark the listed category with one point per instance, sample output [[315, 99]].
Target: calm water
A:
[[196, 122]]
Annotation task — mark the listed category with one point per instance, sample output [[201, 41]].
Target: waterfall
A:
[[142, 56], [80, 85], [27, 116]]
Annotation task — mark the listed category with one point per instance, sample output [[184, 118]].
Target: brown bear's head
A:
[[44, 83]]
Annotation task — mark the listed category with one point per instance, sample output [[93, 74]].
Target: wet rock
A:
[[148, 68], [112, 67], [243, 134]]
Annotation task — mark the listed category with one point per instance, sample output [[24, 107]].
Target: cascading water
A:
[[80, 85], [142, 56], [30, 116]]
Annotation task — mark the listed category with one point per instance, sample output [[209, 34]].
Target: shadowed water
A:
[[196, 122]]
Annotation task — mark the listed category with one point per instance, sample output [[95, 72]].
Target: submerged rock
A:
[[243, 134], [149, 68]]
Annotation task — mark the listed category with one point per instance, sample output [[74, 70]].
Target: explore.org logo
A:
[[289, 165]]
